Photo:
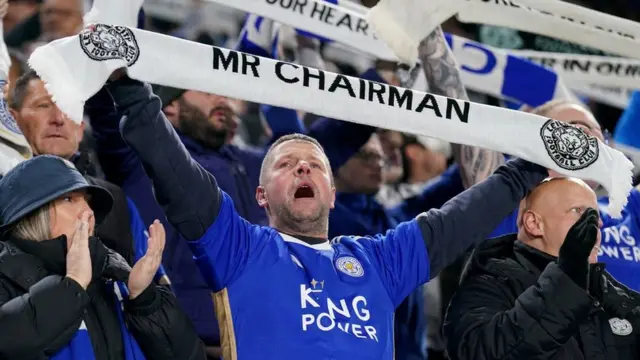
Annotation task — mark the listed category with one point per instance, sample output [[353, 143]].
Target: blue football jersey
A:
[[278, 297], [619, 249]]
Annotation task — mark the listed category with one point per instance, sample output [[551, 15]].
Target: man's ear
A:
[[532, 224], [261, 197], [172, 112], [411, 151], [81, 128], [15, 115], [333, 198]]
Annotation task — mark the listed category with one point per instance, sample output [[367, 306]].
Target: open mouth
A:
[[304, 192]]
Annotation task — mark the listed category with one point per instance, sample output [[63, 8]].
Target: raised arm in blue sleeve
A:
[[471, 216], [223, 242], [417, 250]]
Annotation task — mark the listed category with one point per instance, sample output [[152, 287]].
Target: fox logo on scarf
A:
[[106, 42], [568, 146]]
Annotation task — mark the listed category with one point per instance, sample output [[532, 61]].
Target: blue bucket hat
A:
[[38, 181]]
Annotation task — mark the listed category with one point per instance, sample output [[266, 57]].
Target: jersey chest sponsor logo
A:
[[350, 266], [349, 315], [618, 242]]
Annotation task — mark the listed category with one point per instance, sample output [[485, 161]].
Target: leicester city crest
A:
[[568, 146], [620, 327], [350, 266], [107, 42]]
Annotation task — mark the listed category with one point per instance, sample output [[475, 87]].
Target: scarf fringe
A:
[[59, 82], [389, 31]]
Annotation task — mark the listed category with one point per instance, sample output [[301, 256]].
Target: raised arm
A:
[[223, 243], [444, 78], [188, 194], [417, 250]]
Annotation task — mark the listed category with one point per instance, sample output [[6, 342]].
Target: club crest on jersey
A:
[[350, 266], [569, 147], [620, 327], [106, 42]]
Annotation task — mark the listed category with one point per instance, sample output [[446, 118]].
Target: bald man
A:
[[539, 293], [620, 250]]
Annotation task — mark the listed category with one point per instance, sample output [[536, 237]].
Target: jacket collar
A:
[[22, 269], [25, 269]]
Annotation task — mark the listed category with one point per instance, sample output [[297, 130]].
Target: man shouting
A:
[[286, 289]]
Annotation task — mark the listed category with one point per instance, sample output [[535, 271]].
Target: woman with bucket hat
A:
[[63, 294]]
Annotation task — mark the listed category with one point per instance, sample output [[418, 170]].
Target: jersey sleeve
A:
[[401, 256], [228, 247]]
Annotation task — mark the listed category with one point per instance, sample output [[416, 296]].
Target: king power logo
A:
[[325, 314]]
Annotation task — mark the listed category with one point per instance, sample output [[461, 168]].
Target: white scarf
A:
[[484, 69], [403, 23], [75, 68]]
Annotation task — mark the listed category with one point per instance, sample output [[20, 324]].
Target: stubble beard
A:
[[314, 223]]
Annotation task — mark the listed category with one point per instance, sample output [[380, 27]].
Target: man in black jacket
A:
[[540, 294]]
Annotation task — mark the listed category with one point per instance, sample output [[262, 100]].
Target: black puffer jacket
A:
[[514, 302], [41, 311]]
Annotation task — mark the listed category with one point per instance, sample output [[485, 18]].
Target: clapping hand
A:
[[146, 268]]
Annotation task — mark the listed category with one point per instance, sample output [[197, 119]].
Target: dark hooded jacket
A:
[[514, 302], [41, 309]]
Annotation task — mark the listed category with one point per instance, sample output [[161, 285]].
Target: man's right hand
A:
[[78, 257], [578, 244]]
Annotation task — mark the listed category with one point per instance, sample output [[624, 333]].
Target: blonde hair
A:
[[34, 226]]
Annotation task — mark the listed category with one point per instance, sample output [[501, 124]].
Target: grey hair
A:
[[35, 226]]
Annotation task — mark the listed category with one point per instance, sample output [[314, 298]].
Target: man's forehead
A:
[[291, 147], [563, 190], [573, 113], [36, 88]]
